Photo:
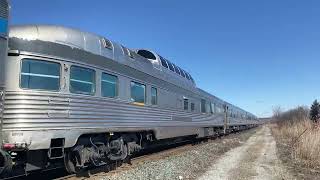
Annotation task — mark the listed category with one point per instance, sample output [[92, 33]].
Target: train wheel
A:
[[5, 162], [70, 162]]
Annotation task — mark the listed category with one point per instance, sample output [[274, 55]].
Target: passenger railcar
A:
[[78, 99], [4, 14]]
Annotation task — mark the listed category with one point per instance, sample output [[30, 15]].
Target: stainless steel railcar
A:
[[4, 13], [80, 99]]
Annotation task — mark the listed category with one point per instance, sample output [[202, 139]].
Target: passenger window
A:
[[208, 107], [182, 73], [176, 69], [185, 104], [187, 76], [127, 52], [192, 106], [107, 44], [146, 54], [82, 80], [190, 78], [203, 106], [212, 108], [138, 92], [163, 62], [154, 96], [42, 75], [170, 66], [109, 85], [221, 109]]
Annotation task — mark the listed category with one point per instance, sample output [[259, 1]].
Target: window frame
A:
[[145, 91], [127, 52], [171, 68], [117, 85], [95, 81], [182, 73], [45, 60], [106, 42], [211, 108], [176, 70], [163, 60], [214, 108], [152, 87], [187, 75], [192, 106], [203, 106], [190, 76], [146, 51], [185, 102]]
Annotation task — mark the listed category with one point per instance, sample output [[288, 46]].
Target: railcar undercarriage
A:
[[91, 150], [98, 150]]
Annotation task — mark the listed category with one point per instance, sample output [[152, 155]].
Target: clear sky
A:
[[256, 54]]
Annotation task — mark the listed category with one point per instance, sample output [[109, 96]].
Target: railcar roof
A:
[[58, 34], [86, 41]]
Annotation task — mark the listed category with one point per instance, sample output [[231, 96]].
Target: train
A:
[[75, 99]]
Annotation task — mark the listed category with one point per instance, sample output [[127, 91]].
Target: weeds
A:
[[301, 135]]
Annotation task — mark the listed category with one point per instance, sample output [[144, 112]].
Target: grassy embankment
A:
[[298, 138]]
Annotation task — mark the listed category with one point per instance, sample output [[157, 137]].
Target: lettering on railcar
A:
[[17, 134]]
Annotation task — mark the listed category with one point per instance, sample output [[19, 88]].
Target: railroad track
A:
[[117, 167], [150, 155]]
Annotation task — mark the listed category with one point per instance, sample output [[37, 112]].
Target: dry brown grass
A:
[[294, 129]]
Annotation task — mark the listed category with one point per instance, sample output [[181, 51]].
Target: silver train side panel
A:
[[4, 14], [34, 117]]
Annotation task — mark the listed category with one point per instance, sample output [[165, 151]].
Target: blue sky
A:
[[253, 53]]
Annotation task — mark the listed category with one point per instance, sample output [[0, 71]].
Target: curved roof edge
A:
[[91, 43]]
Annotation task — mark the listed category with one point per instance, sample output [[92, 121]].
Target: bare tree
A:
[[276, 112]]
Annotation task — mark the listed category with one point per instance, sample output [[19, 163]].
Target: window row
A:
[[165, 63], [208, 107], [237, 114], [205, 107], [147, 54], [44, 75], [213, 108], [186, 105], [174, 68]]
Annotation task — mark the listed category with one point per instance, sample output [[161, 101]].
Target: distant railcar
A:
[[77, 99]]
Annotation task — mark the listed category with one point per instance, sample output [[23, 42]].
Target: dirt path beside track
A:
[[181, 163], [250, 155], [255, 159]]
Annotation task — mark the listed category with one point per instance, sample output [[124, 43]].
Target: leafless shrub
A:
[[292, 116], [295, 129]]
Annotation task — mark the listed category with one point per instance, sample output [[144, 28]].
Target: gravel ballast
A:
[[189, 164]]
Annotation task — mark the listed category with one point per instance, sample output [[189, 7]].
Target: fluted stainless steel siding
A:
[[1, 101], [1, 112], [4, 11], [4, 14], [34, 111], [28, 116]]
